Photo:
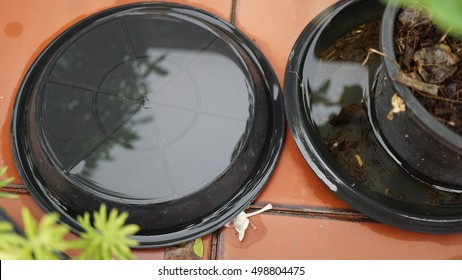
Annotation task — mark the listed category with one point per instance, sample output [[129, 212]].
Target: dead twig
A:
[[445, 35], [371, 51], [439, 98], [405, 79]]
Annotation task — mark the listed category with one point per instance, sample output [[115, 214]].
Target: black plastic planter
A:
[[328, 106], [419, 142], [160, 110]]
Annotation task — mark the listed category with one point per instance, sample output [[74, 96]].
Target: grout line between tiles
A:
[[233, 11], [17, 189], [339, 216], [326, 213], [214, 246]]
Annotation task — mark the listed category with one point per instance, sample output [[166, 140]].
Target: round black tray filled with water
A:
[[160, 110], [329, 81]]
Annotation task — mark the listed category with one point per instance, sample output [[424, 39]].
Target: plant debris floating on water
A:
[[398, 106]]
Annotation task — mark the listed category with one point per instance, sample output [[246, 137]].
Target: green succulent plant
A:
[[447, 14], [41, 240], [104, 237], [4, 183], [107, 237]]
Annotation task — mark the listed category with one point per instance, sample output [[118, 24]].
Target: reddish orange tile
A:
[[158, 254], [13, 207], [207, 240], [26, 27], [286, 237], [294, 185], [275, 25], [149, 254]]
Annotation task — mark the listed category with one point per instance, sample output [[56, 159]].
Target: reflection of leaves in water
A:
[[319, 95], [321, 107], [125, 136], [331, 110], [155, 67]]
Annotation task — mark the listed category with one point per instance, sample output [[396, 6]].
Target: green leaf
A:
[[44, 238], [4, 183], [108, 237], [30, 225], [446, 14], [198, 247], [7, 195], [5, 227]]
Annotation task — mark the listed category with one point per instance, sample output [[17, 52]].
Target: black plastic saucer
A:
[[160, 110], [328, 110]]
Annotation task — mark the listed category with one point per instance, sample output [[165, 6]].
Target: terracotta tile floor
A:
[[308, 222]]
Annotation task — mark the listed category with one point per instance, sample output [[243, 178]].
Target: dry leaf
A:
[[436, 63]]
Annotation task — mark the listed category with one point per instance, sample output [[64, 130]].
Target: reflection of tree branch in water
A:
[[154, 67], [319, 95], [125, 138], [123, 133]]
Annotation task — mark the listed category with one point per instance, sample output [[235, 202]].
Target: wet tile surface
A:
[[294, 185], [274, 25], [14, 207], [290, 237], [310, 221]]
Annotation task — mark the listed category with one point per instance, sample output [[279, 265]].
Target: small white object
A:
[[241, 222]]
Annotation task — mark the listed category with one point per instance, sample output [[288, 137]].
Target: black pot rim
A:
[[313, 149], [218, 217], [387, 46]]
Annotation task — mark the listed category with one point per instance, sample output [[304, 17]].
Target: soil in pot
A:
[[430, 63]]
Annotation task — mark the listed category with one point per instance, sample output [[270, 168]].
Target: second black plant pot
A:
[[421, 144]]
